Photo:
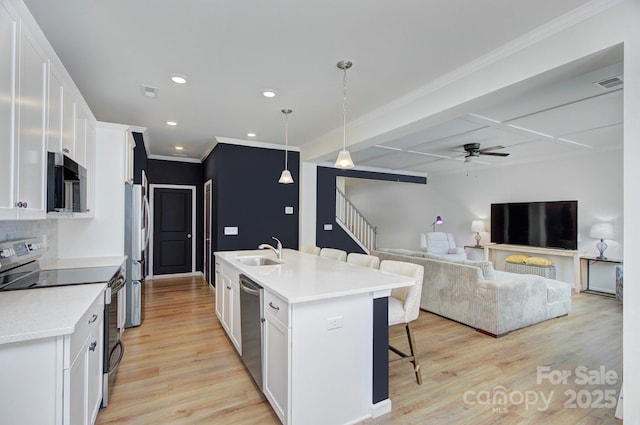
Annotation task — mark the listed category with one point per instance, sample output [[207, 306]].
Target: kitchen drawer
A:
[[277, 307], [84, 327]]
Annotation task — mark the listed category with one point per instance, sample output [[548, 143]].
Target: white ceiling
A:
[[230, 51]]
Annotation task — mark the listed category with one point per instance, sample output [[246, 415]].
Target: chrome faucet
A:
[[277, 250]]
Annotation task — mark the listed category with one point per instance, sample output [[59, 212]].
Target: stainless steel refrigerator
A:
[[136, 240]]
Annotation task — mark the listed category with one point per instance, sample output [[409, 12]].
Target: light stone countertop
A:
[[44, 312], [82, 262], [306, 277]]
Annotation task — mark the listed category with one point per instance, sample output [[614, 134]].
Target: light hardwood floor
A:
[[180, 368]]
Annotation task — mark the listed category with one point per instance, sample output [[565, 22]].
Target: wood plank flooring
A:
[[180, 368]]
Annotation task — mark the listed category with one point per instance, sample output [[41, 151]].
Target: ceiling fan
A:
[[473, 151]]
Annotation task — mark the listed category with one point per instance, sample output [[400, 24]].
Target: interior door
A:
[[172, 231], [207, 231]]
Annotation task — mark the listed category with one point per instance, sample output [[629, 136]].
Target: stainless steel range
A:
[[20, 270]]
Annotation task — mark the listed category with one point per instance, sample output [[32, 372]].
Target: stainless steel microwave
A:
[[66, 184]]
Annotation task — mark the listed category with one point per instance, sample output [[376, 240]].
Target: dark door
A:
[[172, 238], [207, 231]]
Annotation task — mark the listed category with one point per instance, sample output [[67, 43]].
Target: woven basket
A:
[[545, 271]]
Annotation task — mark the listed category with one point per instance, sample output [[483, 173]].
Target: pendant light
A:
[[285, 177], [344, 157]]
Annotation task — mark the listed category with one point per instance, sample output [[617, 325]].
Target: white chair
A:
[[363, 260], [441, 244], [310, 249], [404, 307], [333, 254]]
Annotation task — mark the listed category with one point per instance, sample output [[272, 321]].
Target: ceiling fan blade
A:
[[491, 148], [494, 153]]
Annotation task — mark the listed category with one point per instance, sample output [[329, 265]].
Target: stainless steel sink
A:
[[257, 260]]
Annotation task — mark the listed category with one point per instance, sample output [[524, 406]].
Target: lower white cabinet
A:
[[228, 302], [276, 365], [62, 375]]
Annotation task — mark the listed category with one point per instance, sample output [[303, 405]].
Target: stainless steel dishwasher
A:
[[251, 327]]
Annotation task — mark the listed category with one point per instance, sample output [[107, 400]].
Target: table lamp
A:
[[438, 220], [601, 231], [477, 226]]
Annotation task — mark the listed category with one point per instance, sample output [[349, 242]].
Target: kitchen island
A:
[[325, 333]]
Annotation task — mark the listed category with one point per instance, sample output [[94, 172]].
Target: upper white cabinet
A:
[[24, 114], [40, 110], [54, 130]]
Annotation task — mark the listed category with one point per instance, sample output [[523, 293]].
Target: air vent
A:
[[149, 91], [609, 83]]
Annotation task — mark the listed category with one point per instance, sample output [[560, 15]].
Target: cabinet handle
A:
[[275, 307], [65, 150], [93, 346], [19, 204], [93, 318], [228, 287], [24, 205]]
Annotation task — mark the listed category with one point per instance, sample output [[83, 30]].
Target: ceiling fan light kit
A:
[[344, 157]]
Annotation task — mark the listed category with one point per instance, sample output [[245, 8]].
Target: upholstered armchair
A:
[[441, 244]]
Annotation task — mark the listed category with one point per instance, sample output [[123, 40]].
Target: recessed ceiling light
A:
[[178, 148], [172, 123], [269, 93], [178, 78], [251, 134]]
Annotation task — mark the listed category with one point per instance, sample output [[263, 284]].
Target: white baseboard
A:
[[381, 408], [171, 276]]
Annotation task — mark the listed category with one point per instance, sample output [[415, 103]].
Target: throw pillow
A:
[[538, 261], [517, 258]]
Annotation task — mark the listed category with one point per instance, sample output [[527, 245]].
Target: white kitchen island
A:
[[325, 334]]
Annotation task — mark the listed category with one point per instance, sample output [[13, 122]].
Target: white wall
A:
[[402, 210]]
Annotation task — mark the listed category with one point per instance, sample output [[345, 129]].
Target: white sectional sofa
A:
[[473, 293]]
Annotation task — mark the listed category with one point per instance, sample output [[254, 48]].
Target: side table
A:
[[585, 265], [474, 253]]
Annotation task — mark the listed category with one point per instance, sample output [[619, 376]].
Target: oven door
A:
[[113, 345]]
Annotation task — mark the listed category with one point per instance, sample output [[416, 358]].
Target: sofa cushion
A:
[[516, 258], [538, 261], [485, 266], [396, 310], [557, 291], [400, 251]]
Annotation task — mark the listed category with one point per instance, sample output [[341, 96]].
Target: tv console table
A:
[[491, 249]]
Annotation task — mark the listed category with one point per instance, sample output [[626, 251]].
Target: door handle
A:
[[188, 235]]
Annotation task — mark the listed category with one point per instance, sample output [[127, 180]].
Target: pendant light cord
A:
[[344, 110], [286, 140]]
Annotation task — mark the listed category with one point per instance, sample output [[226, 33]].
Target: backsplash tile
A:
[[46, 229]]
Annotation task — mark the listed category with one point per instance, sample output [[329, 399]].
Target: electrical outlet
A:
[[328, 227], [334, 322]]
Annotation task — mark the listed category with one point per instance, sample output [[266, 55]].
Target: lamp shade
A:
[[344, 160], [285, 177], [439, 220], [601, 231], [477, 226]]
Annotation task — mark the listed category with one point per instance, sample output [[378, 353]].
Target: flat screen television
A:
[[541, 224]]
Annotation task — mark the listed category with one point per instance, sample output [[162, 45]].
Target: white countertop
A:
[[44, 312], [306, 277], [82, 262]]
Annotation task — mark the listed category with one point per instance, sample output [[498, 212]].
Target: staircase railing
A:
[[355, 223]]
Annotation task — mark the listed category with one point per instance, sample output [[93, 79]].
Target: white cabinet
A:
[[83, 396], [129, 155], [276, 354], [228, 302], [54, 128], [61, 374], [68, 123], [22, 193]]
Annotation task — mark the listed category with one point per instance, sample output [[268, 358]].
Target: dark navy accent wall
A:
[[247, 195], [380, 350], [326, 204], [182, 173], [139, 158]]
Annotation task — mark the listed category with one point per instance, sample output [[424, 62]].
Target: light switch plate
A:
[[288, 210], [328, 227], [230, 230]]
